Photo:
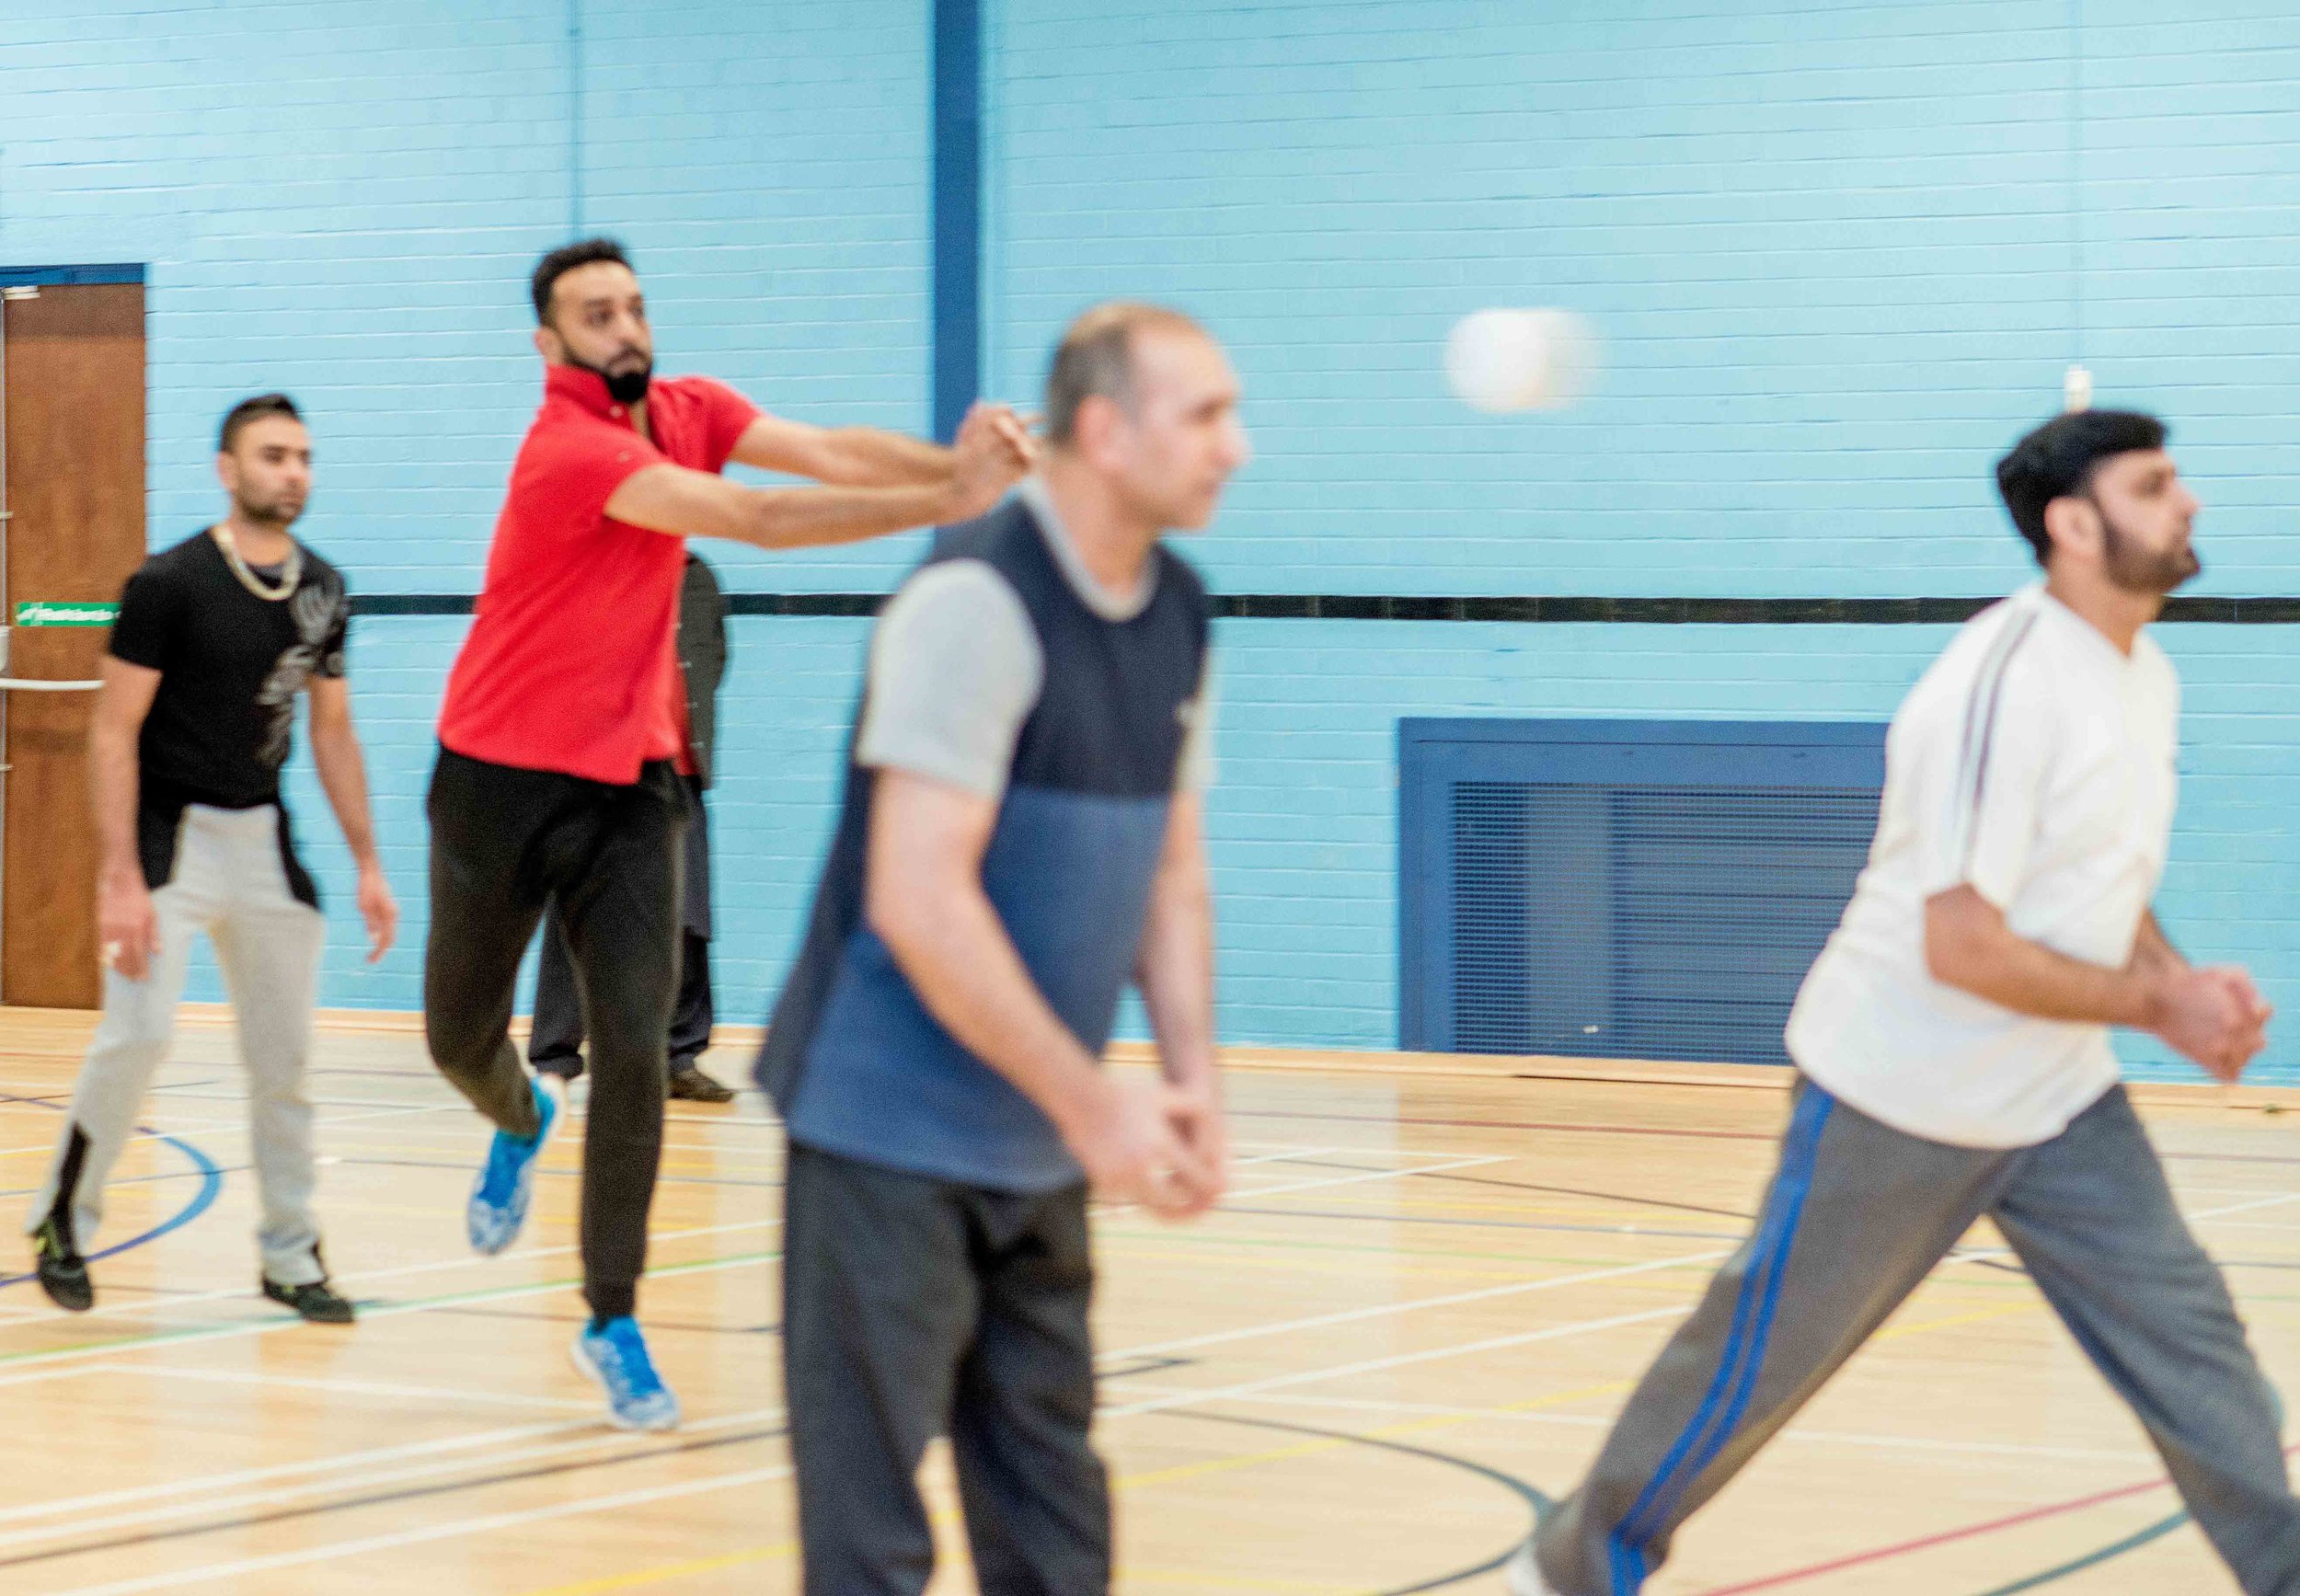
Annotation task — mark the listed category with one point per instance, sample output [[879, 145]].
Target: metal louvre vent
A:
[[1659, 916], [1643, 923]]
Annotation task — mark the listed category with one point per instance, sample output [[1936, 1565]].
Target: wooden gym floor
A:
[[1412, 1320]]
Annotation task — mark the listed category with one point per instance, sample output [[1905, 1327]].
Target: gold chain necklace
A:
[[291, 569]]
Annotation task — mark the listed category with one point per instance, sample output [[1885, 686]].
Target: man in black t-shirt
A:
[[216, 638]]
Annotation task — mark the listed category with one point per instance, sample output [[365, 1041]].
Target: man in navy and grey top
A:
[[1021, 839]]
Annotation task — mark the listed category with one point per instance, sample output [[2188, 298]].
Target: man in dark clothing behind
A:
[[556, 1045]]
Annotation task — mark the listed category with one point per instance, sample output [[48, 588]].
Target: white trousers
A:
[[230, 883]]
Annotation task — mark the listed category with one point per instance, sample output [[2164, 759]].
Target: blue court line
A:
[[211, 1188]]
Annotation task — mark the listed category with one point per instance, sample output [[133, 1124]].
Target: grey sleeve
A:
[[1195, 774], [955, 668]]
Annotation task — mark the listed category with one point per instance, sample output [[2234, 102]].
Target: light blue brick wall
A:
[[1839, 254], [343, 200]]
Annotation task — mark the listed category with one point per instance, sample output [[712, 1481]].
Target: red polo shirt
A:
[[571, 663]]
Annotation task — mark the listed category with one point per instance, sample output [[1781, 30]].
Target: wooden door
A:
[[74, 441]]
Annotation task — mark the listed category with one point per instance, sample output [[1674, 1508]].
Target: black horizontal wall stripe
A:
[[1552, 610]]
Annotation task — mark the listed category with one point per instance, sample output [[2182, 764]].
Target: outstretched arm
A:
[[992, 453], [845, 456]]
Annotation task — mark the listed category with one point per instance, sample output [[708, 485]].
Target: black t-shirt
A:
[[230, 664]]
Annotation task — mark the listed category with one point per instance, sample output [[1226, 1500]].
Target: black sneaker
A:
[[692, 1086], [315, 1300], [63, 1271]]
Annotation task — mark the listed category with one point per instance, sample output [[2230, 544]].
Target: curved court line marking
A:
[[1535, 1503], [211, 1188]]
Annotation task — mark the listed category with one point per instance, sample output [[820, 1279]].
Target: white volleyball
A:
[[1506, 360]]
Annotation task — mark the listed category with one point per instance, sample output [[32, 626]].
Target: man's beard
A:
[[627, 387], [2138, 570], [273, 512]]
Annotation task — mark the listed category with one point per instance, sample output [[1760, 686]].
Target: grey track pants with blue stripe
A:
[[1858, 1214]]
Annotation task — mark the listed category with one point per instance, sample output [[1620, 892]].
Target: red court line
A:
[[1946, 1537]]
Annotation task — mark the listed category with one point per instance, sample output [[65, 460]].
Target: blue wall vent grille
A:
[[1607, 889]]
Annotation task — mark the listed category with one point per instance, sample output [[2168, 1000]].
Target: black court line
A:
[[385, 1498], [1526, 1186], [1522, 609], [584, 1317], [576, 1174]]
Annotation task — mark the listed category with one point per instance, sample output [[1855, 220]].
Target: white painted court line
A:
[[471, 1261], [1398, 1361], [1419, 1305], [1362, 1178], [1603, 1421], [472, 1526], [38, 1364], [346, 1387], [1975, 1255], [436, 1467], [98, 1501]]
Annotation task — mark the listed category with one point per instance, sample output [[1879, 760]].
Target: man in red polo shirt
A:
[[563, 730]]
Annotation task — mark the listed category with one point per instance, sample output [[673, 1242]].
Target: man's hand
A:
[[993, 451], [2214, 1017], [1127, 1138], [1196, 1114], [127, 926], [379, 909]]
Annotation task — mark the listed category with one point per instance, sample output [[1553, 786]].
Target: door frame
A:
[[14, 279]]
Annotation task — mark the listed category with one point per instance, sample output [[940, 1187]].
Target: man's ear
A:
[[548, 346], [2072, 525]]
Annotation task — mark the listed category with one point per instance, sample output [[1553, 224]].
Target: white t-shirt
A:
[[2033, 762]]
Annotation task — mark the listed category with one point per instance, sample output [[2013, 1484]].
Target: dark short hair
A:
[[566, 258], [1096, 356], [2059, 459], [237, 419]]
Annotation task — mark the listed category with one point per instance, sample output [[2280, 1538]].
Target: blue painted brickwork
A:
[[1839, 254]]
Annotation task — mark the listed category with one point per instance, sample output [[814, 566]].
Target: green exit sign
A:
[[40, 613]]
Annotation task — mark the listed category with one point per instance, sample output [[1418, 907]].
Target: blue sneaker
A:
[[616, 1357], [498, 1198]]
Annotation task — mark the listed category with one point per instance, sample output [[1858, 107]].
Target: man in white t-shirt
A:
[[1953, 1042]]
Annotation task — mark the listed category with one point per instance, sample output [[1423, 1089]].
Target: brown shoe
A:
[[690, 1084]]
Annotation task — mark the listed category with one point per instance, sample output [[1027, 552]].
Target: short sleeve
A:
[[1195, 772], [334, 647], [576, 469], [727, 414], [955, 668], [142, 631], [1985, 797]]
